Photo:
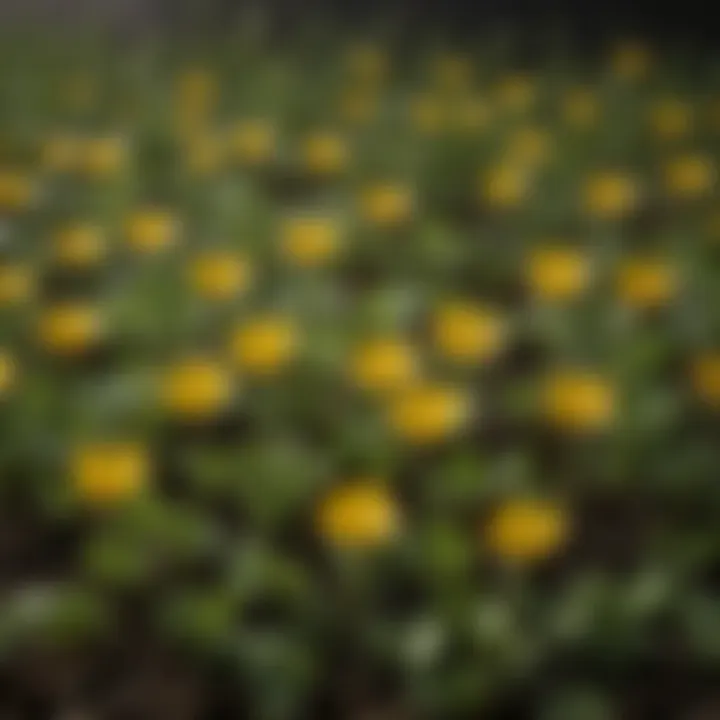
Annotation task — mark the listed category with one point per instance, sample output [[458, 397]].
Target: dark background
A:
[[691, 21]]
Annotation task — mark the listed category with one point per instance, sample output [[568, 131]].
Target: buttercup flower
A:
[[529, 146], [70, 328], [103, 157], [151, 230], [309, 240], [17, 283], [705, 376], [506, 186], [646, 282], [219, 274], [384, 364], [578, 401], [610, 195], [8, 372], [253, 141], [690, 176], [671, 119], [387, 204], [467, 333], [196, 389], [17, 190], [265, 345], [325, 153], [428, 413], [80, 246], [527, 530], [555, 273], [358, 514], [107, 472]]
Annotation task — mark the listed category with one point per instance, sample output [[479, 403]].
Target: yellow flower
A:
[[151, 230], [80, 246], [529, 145], [103, 157], [705, 376], [253, 141], [108, 472], [358, 514], [554, 273], [220, 275], [325, 153], [17, 190], [516, 92], [310, 240], [646, 282], [384, 364], [17, 283], [578, 400], [428, 413], [197, 389], [690, 176], [265, 345], [506, 186], [671, 118], [580, 108], [60, 153], [631, 61], [387, 204], [70, 328], [428, 114], [468, 333], [8, 372], [527, 530], [611, 195]]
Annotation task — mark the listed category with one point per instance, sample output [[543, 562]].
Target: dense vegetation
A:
[[348, 381]]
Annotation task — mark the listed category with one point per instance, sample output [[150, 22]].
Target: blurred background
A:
[[359, 360], [689, 22]]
